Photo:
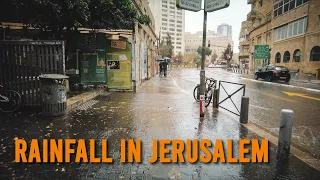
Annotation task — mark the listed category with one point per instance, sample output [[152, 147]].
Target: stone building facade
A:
[[291, 28]]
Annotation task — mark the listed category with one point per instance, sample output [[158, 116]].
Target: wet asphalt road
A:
[[266, 102], [163, 108]]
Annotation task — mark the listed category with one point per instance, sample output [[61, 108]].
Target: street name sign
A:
[[191, 5], [214, 5], [261, 51]]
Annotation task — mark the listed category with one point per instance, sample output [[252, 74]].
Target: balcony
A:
[[244, 54], [252, 15], [243, 43], [251, 1]]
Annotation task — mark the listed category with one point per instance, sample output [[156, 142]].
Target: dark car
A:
[[272, 72]]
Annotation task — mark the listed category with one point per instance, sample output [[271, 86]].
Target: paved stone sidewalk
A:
[[159, 110]]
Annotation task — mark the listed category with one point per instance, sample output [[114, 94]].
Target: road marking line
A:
[[300, 95], [281, 98]]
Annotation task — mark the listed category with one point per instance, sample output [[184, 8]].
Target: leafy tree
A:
[[214, 57], [207, 51], [56, 15], [166, 47], [226, 52], [179, 58], [189, 58]]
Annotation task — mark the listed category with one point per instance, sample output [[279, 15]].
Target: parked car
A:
[[211, 66], [272, 72]]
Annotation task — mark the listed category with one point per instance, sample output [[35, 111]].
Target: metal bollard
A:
[[134, 84], [216, 98], [285, 131], [244, 111]]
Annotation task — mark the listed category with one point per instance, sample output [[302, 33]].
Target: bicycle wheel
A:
[[208, 97], [195, 93], [14, 101]]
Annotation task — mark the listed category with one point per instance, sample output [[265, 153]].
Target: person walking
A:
[[165, 68], [161, 69]]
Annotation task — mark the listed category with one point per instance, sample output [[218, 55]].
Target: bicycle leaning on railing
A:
[[10, 100], [210, 85]]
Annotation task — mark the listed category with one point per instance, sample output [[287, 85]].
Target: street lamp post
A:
[[203, 58]]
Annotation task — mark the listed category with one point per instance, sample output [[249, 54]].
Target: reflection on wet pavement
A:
[[159, 110]]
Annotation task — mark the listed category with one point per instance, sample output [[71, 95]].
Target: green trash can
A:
[[53, 94]]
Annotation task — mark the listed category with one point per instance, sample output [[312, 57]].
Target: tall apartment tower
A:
[[169, 19], [225, 30]]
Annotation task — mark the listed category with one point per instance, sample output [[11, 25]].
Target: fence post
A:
[[285, 131], [244, 111]]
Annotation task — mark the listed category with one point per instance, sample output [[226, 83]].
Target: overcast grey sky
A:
[[233, 15]]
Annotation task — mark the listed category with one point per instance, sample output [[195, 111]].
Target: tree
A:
[[56, 15], [207, 51], [189, 58], [214, 57], [166, 47], [179, 58], [226, 52]]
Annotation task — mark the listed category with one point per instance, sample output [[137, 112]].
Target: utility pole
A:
[[202, 72]]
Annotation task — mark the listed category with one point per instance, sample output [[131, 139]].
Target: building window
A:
[[278, 58], [178, 47], [171, 25], [172, 7], [297, 55], [164, 15], [164, 24], [179, 26], [172, 12], [164, 28], [165, 11], [268, 17], [260, 3], [180, 13], [171, 29], [292, 29], [164, 19], [171, 20], [164, 6], [164, 2], [179, 21], [173, 3], [315, 54], [283, 6], [286, 57], [259, 40], [179, 30]]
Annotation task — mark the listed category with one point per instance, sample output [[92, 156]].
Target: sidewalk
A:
[[159, 110]]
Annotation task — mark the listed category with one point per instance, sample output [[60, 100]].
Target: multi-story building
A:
[[225, 30], [244, 44], [218, 43], [291, 28], [169, 19]]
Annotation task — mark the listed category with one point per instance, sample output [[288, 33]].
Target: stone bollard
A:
[[285, 131], [244, 111]]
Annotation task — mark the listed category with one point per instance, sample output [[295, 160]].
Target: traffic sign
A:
[[191, 5], [214, 5], [261, 52]]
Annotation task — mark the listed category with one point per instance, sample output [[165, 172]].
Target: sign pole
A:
[[203, 58]]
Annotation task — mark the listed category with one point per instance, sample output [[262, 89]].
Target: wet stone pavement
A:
[[159, 110]]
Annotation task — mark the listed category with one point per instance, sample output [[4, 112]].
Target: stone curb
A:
[[76, 101], [303, 156]]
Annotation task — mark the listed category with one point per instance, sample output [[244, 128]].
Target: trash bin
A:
[[53, 94], [317, 73]]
